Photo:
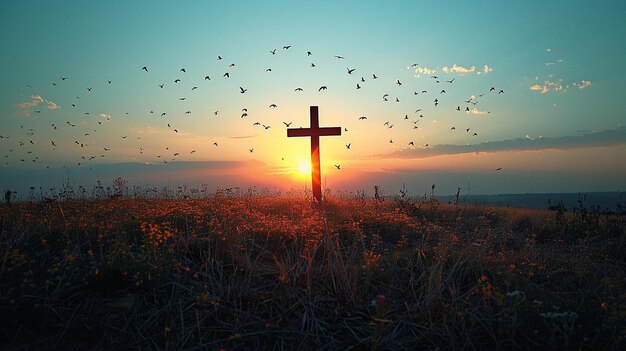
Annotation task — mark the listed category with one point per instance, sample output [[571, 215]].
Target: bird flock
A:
[[20, 147]]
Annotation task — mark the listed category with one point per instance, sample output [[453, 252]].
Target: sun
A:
[[304, 167]]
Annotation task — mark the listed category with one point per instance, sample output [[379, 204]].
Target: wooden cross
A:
[[315, 132]]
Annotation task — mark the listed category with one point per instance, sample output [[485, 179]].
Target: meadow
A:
[[278, 272]]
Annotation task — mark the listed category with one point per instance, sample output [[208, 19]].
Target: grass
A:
[[276, 272]]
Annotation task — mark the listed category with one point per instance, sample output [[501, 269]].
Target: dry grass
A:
[[280, 273]]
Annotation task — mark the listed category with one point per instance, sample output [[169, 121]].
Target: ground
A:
[[278, 272]]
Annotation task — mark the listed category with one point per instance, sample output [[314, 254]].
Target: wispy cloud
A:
[[609, 137], [423, 70], [37, 100], [583, 84], [476, 111], [487, 69], [105, 115], [548, 85], [458, 69], [243, 137]]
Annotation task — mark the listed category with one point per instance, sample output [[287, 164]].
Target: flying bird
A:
[[339, 57], [183, 70], [286, 47], [227, 75], [144, 68], [451, 80], [398, 82], [362, 118], [323, 87], [287, 124], [348, 146], [242, 90], [177, 80], [498, 169], [298, 89], [161, 86], [350, 70], [338, 166], [273, 52], [273, 106], [207, 78]]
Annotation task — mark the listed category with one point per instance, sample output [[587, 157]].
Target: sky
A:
[[487, 96]]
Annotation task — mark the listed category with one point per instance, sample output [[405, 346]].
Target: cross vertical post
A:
[[314, 132]]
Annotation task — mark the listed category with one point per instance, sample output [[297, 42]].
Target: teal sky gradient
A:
[[545, 44]]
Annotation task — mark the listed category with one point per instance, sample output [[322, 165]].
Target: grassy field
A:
[[276, 272]]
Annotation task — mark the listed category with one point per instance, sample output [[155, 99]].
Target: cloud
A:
[[583, 84], [105, 115], [458, 69], [37, 100], [603, 138], [243, 136], [478, 112], [423, 70], [548, 86], [540, 88], [487, 69]]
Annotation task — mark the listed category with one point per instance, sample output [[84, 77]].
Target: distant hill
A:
[[606, 200]]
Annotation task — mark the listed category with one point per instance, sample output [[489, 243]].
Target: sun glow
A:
[[304, 168]]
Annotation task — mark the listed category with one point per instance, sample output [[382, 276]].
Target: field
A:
[[277, 272]]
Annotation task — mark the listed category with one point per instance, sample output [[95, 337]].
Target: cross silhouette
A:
[[315, 132]]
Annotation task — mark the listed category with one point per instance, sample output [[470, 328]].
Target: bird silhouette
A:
[[251, 150], [385, 97], [219, 57], [298, 89], [451, 80], [362, 118], [183, 70], [398, 82], [358, 86], [144, 68], [242, 90], [498, 169], [312, 64], [207, 78], [176, 80], [273, 106], [215, 144], [266, 127], [286, 47], [323, 87], [339, 57], [273, 52], [287, 124], [374, 76], [268, 70], [194, 88], [350, 70], [161, 86], [338, 166], [308, 53], [227, 75], [348, 146], [411, 143]]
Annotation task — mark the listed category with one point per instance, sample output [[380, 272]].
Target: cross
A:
[[315, 132]]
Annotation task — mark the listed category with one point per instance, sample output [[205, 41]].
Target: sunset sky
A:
[[75, 101]]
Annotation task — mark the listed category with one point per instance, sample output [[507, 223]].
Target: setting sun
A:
[[304, 168]]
